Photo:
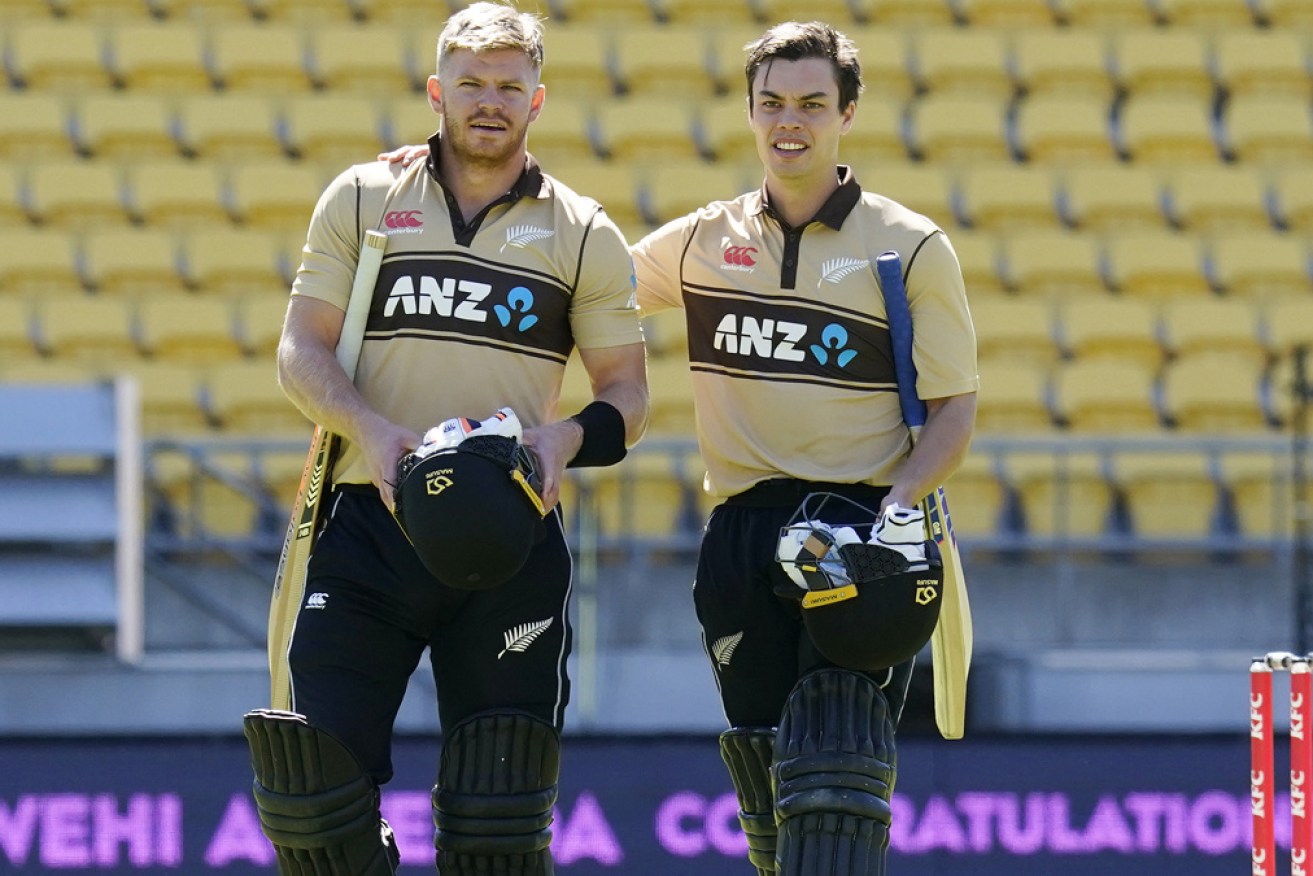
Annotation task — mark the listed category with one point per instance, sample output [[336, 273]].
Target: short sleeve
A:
[[604, 312], [944, 340], [332, 246], [656, 265]]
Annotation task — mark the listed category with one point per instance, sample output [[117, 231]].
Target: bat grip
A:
[[889, 270]]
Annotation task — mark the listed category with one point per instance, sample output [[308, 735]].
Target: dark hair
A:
[[795, 40]]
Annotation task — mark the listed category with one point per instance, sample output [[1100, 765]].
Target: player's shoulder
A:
[[578, 208], [895, 215]]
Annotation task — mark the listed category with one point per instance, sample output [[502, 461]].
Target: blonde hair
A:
[[485, 26]]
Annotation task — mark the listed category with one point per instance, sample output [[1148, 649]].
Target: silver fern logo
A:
[[519, 638], [723, 648], [521, 236], [834, 270]]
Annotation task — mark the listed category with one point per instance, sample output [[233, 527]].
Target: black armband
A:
[[604, 436]]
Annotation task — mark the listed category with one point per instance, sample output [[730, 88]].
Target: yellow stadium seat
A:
[[171, 398], [1012, 14], [673, 189], [1013, 398], [230, 261], [1071, 62], [210, 12], [1214, 325], [35, 125], [1169, 494], [979, 257], [663, 60], [260, 323], [840, 13], [1293, 187], [1288, 323], [65, 55], [1108, 327], [646, 129], [1262, 62], [1105, 395], [161, 56], [1260, 265], [562, 132], [1062, 128], [87, 329], [615, 185], [979, 497], [722, 128], [641, 497], [27, 10], [1220, 16], [1052, 263], [1012, 329], [49, 371], [192, 329], [1293, 15], [885, 53], [107, 11], [1154, 61], [671, 390], [965, 61], [12, 214], [309, 12], [575, 63], [76, 194], [1262, 494], [910, 13], [705, 12], [125, 126], [666, 333], [1010, 197], [259, 57], [1156, 265], [230, 127], [38, 262], [1218, 199], [17, 340], [334, 129], [1113, 197], [957, 129], [372, 59], [1269, 130], [274, 195], [615, 12], [726, 56], [131, 262], [1279, 391], [876, 136], [925, 188], [1214, 392], [215, 500], [1104, 14], [1061, 495], [244, 398], [411, 120], [175, 194], [1167, 129]]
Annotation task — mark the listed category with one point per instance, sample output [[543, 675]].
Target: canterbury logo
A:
[[834, 270], [723, 648], [520, 638], [403, 219], [522, 235], [741, 256], [316, 600]]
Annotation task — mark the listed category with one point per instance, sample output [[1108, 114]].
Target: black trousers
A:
[[371, 608], [751, 624]]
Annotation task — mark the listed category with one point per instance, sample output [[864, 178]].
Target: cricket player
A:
[[494, 273]]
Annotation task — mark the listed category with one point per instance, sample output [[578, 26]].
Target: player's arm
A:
[[310, 375], [938, 452]]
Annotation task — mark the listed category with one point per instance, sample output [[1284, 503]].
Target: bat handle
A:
[[889, 270]]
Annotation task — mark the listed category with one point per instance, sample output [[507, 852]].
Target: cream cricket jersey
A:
[[469, 317], [792, 366]]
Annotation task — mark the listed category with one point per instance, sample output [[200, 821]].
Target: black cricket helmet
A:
[[473, 511], [866, 604]]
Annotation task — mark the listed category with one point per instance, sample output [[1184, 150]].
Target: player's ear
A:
[[849, 112], [434, 88], [536, 102]]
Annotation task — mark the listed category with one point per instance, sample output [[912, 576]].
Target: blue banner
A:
[[664, 806]]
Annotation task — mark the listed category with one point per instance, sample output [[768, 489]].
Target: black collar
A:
[[530, 183], [836, 207]]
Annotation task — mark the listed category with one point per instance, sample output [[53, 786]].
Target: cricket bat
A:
[[950, 645], [289, 579]]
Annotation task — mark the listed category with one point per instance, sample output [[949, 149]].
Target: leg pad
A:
[[747, 752]]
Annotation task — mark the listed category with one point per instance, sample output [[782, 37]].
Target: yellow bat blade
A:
[[952, 640]]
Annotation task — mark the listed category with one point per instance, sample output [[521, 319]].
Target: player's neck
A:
[[798, 199], [475, 185]]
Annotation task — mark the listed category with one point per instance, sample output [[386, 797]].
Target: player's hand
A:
[[406, 155], [553, 445], [382, 446]]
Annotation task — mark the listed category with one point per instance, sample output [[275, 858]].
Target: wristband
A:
[[604, 436]]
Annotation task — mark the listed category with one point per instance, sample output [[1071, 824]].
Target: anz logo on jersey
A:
[[781, 339], [472, 301]]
